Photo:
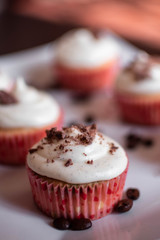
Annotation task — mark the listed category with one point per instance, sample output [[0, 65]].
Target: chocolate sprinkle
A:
[[140, 68], [53, 134], [68, 163], [113, 148], [32, 150], [7, 98], [61, 147], [85, 137], [90, 162]]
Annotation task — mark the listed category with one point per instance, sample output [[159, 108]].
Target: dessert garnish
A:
[[124, 205], [75, 224], [80, 224], [7, 98], [32, 150], [134, 140], [68, 163], [113, 148], [90, 162], [140, 67], [85, 137], [61, 223], [133, 193]]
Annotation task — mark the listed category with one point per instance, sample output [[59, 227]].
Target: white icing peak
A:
[[33, 109], [6, 83], [89, 162], [79, 48], [127, 81]]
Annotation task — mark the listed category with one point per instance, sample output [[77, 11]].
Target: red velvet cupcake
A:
[[86, 62], [138, 91], [25, 113], [77, 173]]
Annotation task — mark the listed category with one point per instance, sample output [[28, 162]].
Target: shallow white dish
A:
[[21, 220]]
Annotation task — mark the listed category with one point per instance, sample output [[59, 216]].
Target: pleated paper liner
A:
[[15, 143], [137, 111], [93, 200], [88, 80]]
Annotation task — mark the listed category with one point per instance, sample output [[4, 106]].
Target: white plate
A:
[[21, 220]]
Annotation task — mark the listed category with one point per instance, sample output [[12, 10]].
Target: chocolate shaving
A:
[[61, 147], [32, 150], [40, 147], [140, 68], [7, 98], [53, 134], [113, 148], [84, 154], [68, 163], [86, 136], [90, 162], [48, 160]]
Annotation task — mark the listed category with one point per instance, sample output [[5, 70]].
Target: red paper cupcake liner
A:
[[92, 201], [14, 147], [139, 111], [88, 80]]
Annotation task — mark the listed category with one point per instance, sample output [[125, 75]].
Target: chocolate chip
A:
[[132, 193], [147, 142], [89, 119], [124, 205], [61, 223], [6, 98], [80, 224], [32, 150]]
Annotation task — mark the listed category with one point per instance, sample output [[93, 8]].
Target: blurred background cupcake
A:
[[138, 91], [25, 113], [85, 61]]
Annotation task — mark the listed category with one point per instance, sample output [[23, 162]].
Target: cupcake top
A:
[[76, 155], [24, 106], [82, 49], [142, 76], [5, 82]]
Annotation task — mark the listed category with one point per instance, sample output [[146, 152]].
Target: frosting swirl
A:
[[81, 49], [141, 77], [6, 83], [33, 108], [69, 157]]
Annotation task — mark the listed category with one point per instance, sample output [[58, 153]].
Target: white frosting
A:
[[105, 165], [80, 49], [6, 82], [34, 108], [127, 82]]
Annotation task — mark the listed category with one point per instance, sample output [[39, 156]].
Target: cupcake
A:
[[138, 91], [85, 62], [25, 113], [77, 173]]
